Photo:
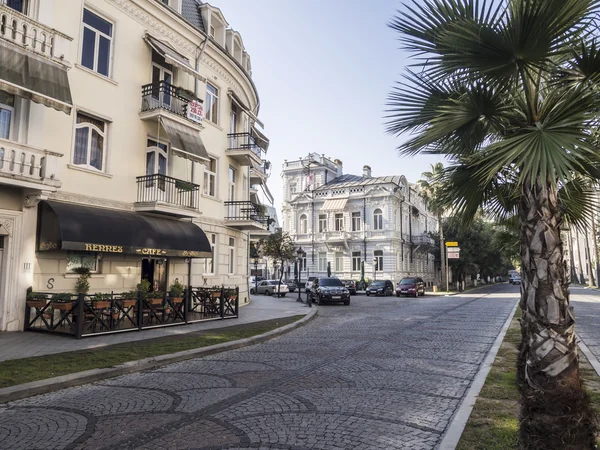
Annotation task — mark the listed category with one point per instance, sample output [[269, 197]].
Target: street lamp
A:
[[375, 268], [255, 261], [301, 254]]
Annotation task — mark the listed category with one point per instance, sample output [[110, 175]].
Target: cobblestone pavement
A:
[[586, 303], [382, 373]]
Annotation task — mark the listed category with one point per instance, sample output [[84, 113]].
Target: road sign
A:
[[454, 255], [453, 249], [451, 244]]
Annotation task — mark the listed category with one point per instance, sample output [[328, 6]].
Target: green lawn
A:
[[494, 422], [20, 371]]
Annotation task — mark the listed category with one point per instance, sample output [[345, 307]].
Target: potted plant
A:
[[176, 291], [36, 299], [82, 285], [144, 287], [129, 299], [101, 301], [157, 298], [62, 301]]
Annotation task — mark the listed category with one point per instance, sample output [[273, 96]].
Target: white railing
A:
[[22, 162], [423, 240], [26, 32]]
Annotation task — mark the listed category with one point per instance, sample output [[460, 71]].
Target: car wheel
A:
[[347, 302], [416, 294], [267, 293], [252, 291], [282, 295], [397, 295], [317, 300], [368, 294]]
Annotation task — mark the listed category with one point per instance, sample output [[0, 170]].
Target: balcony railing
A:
[[24, 163], [163, 95], [423, 239], [244, 141], [245, 211], [164, 189], [26, 32]]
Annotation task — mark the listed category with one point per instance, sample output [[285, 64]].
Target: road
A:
[[382, 373], [586, 303]]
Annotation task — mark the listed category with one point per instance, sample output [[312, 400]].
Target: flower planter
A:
[[155, 301], [177, 299], [36, 303], [128, 303], [63, 306], [102, 304]]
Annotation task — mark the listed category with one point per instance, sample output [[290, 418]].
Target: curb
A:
[[456, 427], [20, 391], [588, 354]]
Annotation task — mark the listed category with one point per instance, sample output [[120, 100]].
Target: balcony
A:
[[28, 167], [423, 242], [259, 174], [165, 99], [27, 33], [246, 215], [243, 148], [162, 194]]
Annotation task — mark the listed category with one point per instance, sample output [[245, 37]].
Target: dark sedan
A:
[[329, 290], [350, 285], [381, 287]]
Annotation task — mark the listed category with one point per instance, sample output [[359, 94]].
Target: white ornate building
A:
[[347, 220], [129, 143]]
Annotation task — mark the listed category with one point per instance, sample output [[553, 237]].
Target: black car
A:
[[381, 287], [329, 290], [350, 285]]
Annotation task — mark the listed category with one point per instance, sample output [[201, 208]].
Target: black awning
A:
[[65, 226], [34, 77]]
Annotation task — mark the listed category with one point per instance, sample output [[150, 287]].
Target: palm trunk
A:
[[572, 259], [555, 410], [581, 277], [442, 254], [595, 253]]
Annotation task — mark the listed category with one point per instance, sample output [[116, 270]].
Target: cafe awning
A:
[[67, 226], [34, 77], [334, 204], [172, 56], [184, 141]]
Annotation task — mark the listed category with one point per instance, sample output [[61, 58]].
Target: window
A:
[[322, 262], [293, 188], [355, 261], [97, 43], [18, 5], [339, 222], [90, 134], [339, 262], [209, 263], [76, 260], [231, 255], [378, 257], [212, 31], [212, 103], [166, 2], [303, 263], [231, 189], [355, 221], [7, 108], [322, 223], [210, 176], [377, 220], [245, 187], [303, 224], [156, 158]]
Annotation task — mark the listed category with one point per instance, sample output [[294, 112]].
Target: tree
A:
[[430, 191], [508, 91], [281, 248]]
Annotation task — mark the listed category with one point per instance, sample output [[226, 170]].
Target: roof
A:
[[356, 180], [190, 9]]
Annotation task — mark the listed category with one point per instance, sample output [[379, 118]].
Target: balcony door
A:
[[162, 81], [156, 170]]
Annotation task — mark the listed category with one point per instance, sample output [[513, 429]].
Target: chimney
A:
[[367, 171], [339, 167]]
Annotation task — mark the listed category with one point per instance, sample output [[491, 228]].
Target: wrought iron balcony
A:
[[160, 193], [26, 166], [163, 96], [244, 149], [423, 239], [246, 215]]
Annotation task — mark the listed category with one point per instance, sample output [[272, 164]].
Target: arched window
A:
[[303, 224], [378, 219]]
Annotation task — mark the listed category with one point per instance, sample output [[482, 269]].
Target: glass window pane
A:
[[81, 144], [103, 56], [97, 150], [97, 22], [162, 165], [150, 163], [5, 115], [89, 47]]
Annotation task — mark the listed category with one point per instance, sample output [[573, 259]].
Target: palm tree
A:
[[508, 91], [430, 191]]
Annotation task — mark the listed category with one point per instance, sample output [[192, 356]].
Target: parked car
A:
[[515, 280], [308, 284], [381, 287], [253, 280], [414, 286], [350, 285], [272, 287], [292, 286], [329, 290]]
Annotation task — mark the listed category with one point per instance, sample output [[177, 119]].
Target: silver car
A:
[[272, 287]]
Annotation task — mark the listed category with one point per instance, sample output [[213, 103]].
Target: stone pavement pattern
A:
[[586, 303], [383, 373]]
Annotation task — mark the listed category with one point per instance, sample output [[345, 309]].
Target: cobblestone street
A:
[[383, 373]]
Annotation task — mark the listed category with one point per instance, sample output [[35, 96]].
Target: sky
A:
[[323, 70]]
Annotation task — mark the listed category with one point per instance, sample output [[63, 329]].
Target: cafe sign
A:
[[195, 111], [123, 249]]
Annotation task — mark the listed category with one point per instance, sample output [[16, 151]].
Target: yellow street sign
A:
[[451, 244]]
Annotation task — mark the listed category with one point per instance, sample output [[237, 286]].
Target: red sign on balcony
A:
[[195, 111]]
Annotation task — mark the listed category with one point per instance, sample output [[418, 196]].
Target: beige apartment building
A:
[[129, 144]]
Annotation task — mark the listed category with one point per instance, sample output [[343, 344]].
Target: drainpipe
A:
[[365, 233], [200, 50]]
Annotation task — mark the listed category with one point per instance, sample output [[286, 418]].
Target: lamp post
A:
[[255, 261], [301, 254], [374, 268]]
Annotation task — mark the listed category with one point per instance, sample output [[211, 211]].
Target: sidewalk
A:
[[16, 345]]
